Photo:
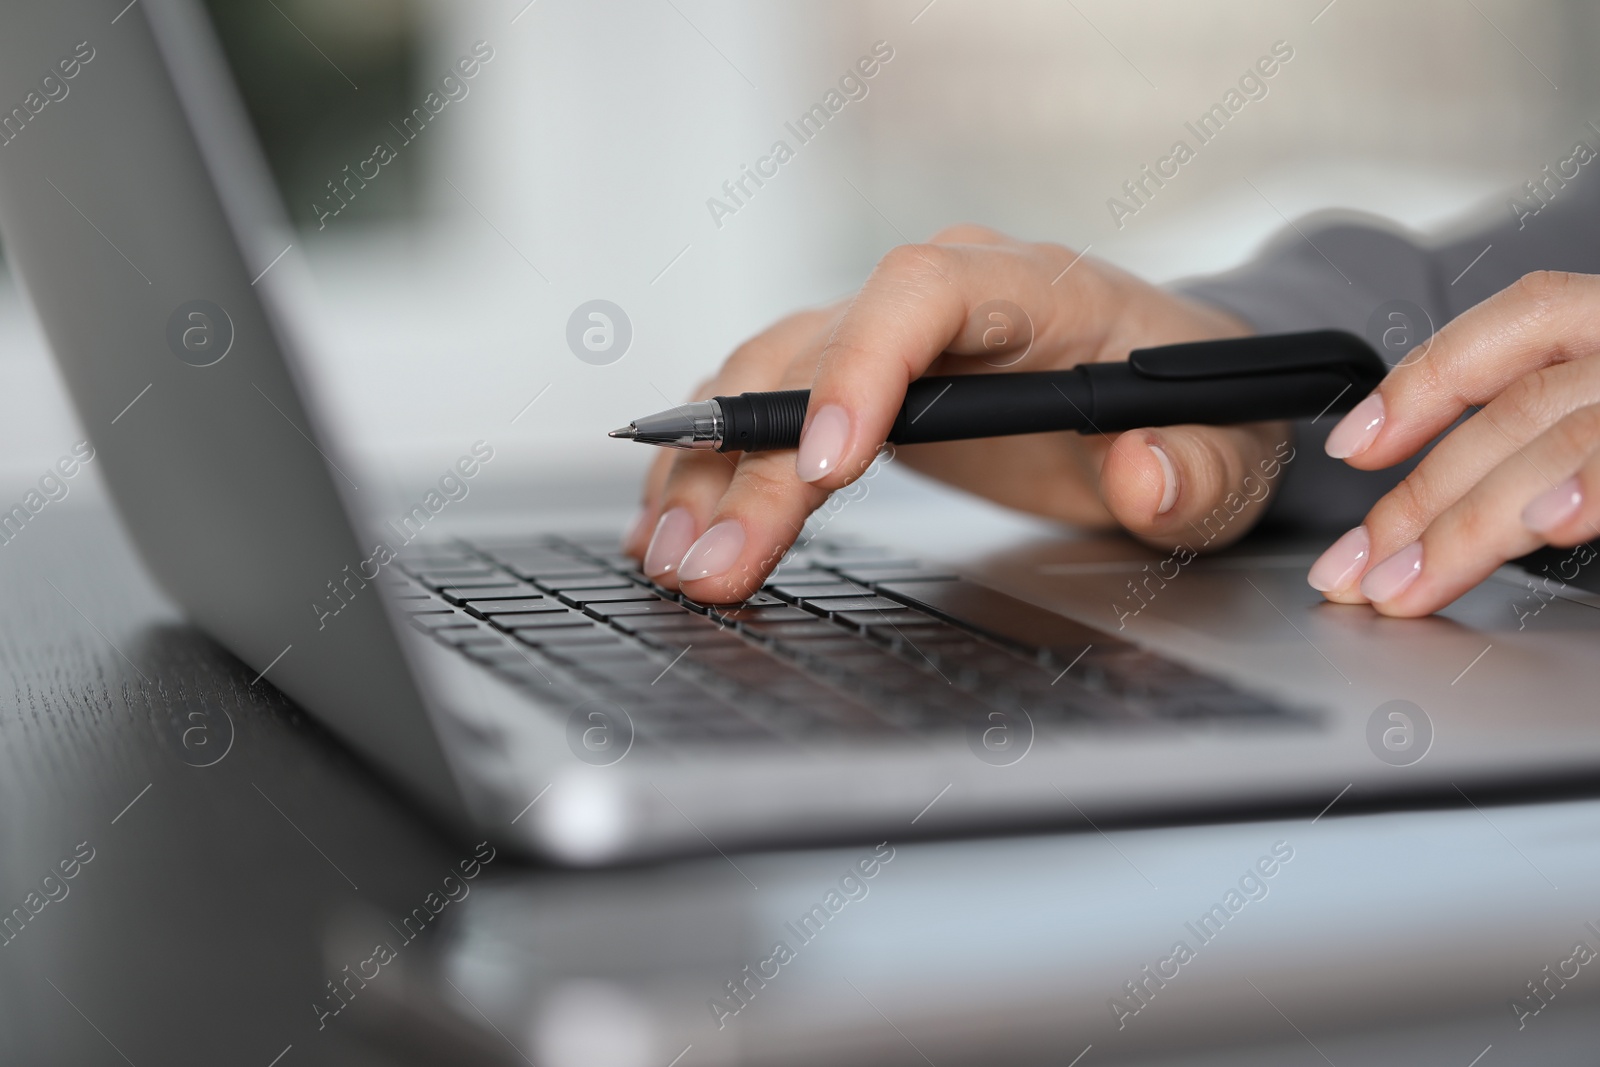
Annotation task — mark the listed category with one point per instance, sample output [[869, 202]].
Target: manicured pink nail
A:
[[1394, 575], [717, 550], [1357, 430], [1341, 563], [1553, 507], [1169, 480], [822, 444], [674, 534]]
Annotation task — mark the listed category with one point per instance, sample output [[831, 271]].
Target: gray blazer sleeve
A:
[[1338, 270]]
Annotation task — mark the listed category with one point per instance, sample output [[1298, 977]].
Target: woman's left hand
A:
[[1522, 472]]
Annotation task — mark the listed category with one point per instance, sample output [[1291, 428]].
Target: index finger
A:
[[1542, 319], [916, 306]]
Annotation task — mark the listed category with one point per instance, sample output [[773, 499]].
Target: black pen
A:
[[1244, 379]]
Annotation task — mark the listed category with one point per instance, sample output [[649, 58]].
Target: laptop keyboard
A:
[[842, 640]]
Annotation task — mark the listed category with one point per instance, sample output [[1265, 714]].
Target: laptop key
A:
[[796, 630], [762, 616], [460, 576], [559, 638], [885, 618], [801, 574], [505, 652], [458, 594], [594, 540], [688, 624], [645, 605], [594, 655], [521, 605], [545, 565], [468, 637], [717, 649], [416, 604], [433, 620], [833, 605], [580, 598], [459, 565], [597, 581], [615, 560], [538, 620], [522, 624], [758, 600], [998, 615], [809, 591], [703, 642]]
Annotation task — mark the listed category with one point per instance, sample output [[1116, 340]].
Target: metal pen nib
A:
[[696, 425]]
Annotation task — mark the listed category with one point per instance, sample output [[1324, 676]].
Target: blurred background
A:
[[580, 162]]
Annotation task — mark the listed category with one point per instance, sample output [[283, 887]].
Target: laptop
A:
[[533, 687]]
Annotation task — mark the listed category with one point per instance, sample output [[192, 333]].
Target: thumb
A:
[[1201, 486]]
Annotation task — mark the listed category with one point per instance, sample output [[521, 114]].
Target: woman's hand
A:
[[714, 524], [1522, 472]]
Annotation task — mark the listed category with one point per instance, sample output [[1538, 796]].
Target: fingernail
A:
[[1553, 507], [1391, 577], [636, 529], [822, 443], [1357, 430], [1338, 566], [716, 551], [1169, 480], [674, 533]]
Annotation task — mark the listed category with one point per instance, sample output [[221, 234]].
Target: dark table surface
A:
[[227, 829]]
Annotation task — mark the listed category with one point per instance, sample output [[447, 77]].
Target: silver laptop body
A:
[[138, 214]]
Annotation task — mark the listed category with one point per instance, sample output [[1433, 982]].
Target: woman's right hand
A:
[[714, 524]]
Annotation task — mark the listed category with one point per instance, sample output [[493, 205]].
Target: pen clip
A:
[[1262, 356]]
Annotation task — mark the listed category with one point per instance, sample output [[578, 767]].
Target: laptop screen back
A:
[[138, 216]]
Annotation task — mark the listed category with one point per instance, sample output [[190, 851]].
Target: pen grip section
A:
[[760, 422]]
